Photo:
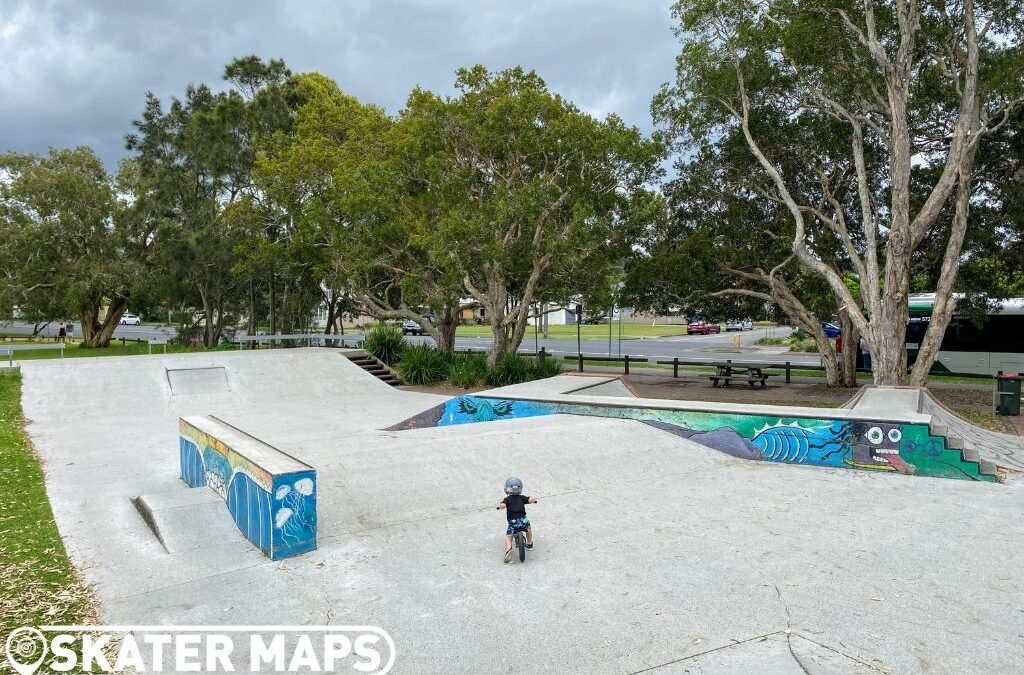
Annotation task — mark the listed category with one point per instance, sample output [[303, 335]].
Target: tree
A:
[[337, 176], [197, 159], [76, 240], [910, 83], [717, 255], [535, 194]]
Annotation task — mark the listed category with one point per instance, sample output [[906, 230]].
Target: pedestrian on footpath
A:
[[866, 348]]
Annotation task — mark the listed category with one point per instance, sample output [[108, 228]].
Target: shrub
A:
[[423, 364], [386, 343], [542, 368], [511, 369], [770, 341], [467, 370], [805, 344]]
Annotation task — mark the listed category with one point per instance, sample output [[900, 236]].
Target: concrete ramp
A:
[[553, 386], [184, 520], [1005, 450], [616, 387], [191, 381]]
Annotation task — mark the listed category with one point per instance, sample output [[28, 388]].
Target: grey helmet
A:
[[513, 486]]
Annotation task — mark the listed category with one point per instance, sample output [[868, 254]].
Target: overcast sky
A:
[[75, 72]]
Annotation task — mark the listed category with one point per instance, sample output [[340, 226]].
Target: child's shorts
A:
[[517, 525]]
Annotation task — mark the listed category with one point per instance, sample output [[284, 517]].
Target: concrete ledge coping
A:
[[716, 407], [263, 455]]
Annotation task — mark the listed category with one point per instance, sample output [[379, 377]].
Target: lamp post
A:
[[536, 320], [579, 348], [611, 318]]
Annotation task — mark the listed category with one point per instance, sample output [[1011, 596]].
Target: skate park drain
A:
[[190, 381]]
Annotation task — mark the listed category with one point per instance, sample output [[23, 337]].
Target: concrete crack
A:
[[789, 631], [707, 651]]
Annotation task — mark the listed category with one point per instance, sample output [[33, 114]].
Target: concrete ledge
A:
[[714, 407], [271, 495]]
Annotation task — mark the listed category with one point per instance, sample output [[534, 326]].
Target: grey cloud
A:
[[76, 72]]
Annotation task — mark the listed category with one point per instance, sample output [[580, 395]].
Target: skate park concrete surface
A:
[[654, 554]]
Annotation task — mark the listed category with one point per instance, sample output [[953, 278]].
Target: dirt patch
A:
[[697, 387], [970, 401], [974, 404]]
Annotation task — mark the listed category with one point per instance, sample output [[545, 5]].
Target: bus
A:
[[996, 345]]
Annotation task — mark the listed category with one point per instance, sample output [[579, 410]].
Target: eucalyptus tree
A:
[[77, 241], [915, 84], [717, 254], [531, 191], [347, 176]]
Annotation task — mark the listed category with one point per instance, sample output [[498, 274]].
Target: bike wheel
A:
[[521, 543]]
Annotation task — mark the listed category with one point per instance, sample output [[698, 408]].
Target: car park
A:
[[702, 327], [130, 320], [739, 324]]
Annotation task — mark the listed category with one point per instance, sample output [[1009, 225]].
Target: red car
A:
[[702, 327]]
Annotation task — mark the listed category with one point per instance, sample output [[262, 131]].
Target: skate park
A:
[[656, 552]]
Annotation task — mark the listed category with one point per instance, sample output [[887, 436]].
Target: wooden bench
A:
[[751, 379], [271, 495]]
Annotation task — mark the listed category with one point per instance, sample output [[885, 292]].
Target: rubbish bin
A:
[[1008, 393]]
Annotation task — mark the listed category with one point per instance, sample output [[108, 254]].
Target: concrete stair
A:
[[374, 366], [968, 453]]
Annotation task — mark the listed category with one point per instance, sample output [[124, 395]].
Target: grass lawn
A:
[[76, 350], [37, 582], [598, 332]]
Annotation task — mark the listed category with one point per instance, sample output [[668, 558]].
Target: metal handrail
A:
[[356, 338]]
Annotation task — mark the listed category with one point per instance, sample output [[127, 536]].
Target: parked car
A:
[[130, 320], [832, 331], [410, 327], [702, 327], [739, 324]]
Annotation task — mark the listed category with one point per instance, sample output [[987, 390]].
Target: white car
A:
[[739, 324], [130, 320]]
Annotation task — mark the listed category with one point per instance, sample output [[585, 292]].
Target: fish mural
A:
[[905, 448]]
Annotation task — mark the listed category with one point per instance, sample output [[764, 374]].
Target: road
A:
[[685, 347], [126, 332]]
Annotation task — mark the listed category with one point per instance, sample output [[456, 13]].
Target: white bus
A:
[[997, 344]]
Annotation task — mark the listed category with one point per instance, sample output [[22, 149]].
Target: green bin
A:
[[1008, 393]]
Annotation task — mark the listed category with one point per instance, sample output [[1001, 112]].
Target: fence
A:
[[355, 339]]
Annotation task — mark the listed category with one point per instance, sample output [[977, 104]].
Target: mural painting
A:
[[276, 512], [905, 448]]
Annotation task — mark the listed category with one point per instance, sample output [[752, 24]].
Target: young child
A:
[[514, 504]]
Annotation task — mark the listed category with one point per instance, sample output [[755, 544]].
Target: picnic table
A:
[[751, 373]]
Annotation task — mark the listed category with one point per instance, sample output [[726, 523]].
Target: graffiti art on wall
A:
[[275, 511], [906, 448]]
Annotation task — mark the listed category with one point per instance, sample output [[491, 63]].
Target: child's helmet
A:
[[513, 486]]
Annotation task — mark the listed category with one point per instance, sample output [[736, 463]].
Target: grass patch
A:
[[77, 350], [770, 341], [986, 420], [38, 585]]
